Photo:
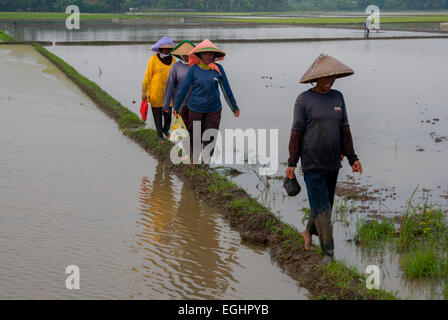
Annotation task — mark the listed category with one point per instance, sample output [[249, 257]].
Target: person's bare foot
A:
[[308, 240]]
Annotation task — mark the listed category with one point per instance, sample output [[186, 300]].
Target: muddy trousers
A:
[[162, 121], [321, 186], [209, 120]]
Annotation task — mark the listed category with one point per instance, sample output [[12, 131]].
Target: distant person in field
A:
[[368, 25], [320, 135], [154, 84]]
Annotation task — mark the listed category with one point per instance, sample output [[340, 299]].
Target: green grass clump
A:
[[5, 37], [130, 121], [372, 232], [345, 278], [422, 242], [424, 262]]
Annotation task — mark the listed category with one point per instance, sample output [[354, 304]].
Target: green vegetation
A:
[[371, 232], [332, 20], [4, 36], [218, 5], [421, 240], [63, 16]]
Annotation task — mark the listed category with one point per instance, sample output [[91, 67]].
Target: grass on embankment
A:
[[63, 16], [421, 240], [5, 37], [254, 221], [331, 20]]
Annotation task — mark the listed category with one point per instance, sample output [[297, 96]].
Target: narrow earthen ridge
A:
[[118, 43], [41, 43], [255, 222]]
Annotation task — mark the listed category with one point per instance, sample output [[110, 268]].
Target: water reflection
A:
[[184, 255]]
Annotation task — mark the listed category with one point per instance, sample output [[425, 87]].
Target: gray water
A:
[[75, 191], [56, 31], [397, 85]]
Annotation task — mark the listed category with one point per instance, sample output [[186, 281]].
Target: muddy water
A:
[[397, 85], [46, 31], [75, 191]]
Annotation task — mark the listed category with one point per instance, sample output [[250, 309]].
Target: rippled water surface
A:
[[75, 191]]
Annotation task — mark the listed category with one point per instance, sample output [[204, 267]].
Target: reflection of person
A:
[[176, 78], [319, 135], [202, 81], [154, 84], [182, 241]]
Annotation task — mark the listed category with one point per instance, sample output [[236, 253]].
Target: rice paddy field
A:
[[393, 216]]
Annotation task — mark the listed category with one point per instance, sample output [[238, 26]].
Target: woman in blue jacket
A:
[[202, 81]]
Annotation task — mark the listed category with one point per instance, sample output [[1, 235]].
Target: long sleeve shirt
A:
[[204, 87], [320, 132], [175, 80], [154, 82]]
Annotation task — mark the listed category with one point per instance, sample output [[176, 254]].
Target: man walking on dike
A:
[[320, 135]]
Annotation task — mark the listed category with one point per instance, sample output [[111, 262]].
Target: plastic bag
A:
[[291, 186], [144, 110], [178, 129]]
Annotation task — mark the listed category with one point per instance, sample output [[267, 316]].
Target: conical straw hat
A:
[[164, 42], [325, 66], [208, 46], [182, 49]]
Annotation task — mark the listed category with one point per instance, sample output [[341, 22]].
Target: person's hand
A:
[[166, 110], [175, 113], [290, 172], [144, 98], [357, 167], [237, 113]]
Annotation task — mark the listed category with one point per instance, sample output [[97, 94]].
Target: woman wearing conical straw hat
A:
[[204, 106], [320, 135], [154, 84], [176, 78]]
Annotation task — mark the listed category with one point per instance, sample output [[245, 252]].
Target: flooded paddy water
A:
[[75, 191], [396, 107], [138, 31]]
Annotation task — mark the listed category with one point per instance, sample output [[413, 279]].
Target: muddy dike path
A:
[[255, 223]]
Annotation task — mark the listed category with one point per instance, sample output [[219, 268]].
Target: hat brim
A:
[[167, 46], [218, 53], [182, 49], [337, 75]]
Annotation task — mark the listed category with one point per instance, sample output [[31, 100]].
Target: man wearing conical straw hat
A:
[[320, 135]]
